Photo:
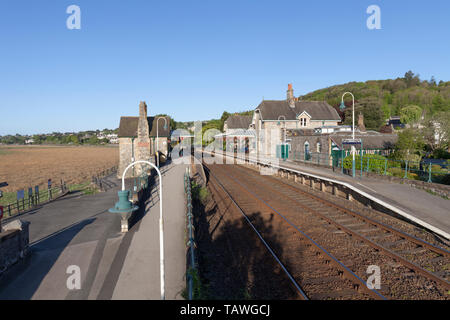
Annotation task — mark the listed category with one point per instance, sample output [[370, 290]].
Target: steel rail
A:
[[339, 265], [375, 245], [302, 293], [393, 230]]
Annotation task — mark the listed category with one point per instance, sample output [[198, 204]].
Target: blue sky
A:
[[195, 59]]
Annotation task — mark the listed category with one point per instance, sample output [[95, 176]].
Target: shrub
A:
[[199, 193], [376, 162]]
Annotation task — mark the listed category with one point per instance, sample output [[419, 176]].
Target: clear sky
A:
[[194, 59]]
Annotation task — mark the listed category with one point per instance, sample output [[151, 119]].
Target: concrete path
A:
[[79, 231], [140, 275]]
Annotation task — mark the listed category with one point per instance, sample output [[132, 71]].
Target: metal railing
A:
[[32, 200], [378, 164], [191, 265]]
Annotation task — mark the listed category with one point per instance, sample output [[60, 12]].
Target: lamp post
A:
[[157, 136], [353, 127], [123, 200]]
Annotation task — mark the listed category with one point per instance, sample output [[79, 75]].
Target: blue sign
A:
[[36, 190], [30, 192], [20, 194], [49, 183]]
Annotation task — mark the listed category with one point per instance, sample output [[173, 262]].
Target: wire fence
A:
[[423, 170], [100, 181]]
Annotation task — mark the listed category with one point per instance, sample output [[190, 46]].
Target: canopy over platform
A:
[[238, 133]]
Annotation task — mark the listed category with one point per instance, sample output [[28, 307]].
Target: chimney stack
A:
[[143, 110], [361, 126], [290, 96]]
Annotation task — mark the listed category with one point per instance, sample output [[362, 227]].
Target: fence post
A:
[[429, 173], [385, 166], [406, 170]]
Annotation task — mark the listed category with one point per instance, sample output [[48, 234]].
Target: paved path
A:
[[79, 231], [140, 275]]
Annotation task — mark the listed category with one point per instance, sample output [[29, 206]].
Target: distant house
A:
[[272, 118], [137, 139], [396, 122]]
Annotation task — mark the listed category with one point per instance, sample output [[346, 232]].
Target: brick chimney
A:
[[143, 129], [142, 143], [361, 126], [290, 96]]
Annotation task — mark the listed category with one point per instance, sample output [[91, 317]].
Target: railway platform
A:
[[139, 276], [423, 208]]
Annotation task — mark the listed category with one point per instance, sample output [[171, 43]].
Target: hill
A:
[[380, 99]]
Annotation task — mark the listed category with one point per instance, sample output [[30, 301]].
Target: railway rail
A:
[[329, 247]]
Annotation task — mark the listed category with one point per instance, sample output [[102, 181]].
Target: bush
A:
[[376, 162], [199, 193], [400, 173]]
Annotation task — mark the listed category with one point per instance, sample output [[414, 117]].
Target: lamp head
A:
[[342, 106]]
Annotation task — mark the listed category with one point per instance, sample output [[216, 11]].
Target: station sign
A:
[[20, 194], [351, 141]]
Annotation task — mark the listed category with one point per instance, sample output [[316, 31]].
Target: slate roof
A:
[[370, 141], [238, 122], [318, 110], [128, 127]]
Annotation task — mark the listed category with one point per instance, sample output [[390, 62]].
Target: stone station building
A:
[[137, 140]]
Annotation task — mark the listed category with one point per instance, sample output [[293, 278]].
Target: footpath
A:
[[78, 233]]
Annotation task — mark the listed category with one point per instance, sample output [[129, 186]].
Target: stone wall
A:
[[14, 240]]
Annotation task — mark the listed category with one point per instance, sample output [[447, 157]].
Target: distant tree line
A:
[[78, 138]]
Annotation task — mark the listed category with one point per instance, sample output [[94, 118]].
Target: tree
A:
[[410, 114], [409, 145], [74, 139], [432, 81], [436, 131], [411, 79]]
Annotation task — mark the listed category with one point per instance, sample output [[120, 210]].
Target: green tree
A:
[[410, 114], [74, 139], [409, 145]]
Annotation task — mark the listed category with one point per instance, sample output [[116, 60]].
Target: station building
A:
[[138, 140]]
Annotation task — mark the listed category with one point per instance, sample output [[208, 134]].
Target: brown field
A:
[[28, 166]]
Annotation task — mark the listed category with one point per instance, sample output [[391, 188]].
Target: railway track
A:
[[329, 248]]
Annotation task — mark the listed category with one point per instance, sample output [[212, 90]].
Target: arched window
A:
[[318, 147]]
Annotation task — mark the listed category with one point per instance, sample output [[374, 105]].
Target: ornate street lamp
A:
[[157, 136], [125, 207]]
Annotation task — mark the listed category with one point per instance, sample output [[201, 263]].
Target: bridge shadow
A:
[[23, 280], [233, 262]]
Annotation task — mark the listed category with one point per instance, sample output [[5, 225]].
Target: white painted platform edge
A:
[[369, 196]]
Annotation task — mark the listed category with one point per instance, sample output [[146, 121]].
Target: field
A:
[[28, 166]]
